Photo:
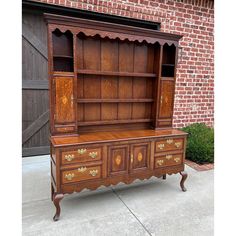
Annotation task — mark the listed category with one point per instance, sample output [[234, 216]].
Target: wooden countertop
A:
[[111, 136]]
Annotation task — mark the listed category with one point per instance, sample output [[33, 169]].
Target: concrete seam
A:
[[131, 212]]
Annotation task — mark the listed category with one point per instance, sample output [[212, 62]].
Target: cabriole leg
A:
[[56, 200], [164, 176], [184, 177]]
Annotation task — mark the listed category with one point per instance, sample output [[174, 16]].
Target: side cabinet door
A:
[[118, 156], [64, 107], [166, 103], [140, 157]]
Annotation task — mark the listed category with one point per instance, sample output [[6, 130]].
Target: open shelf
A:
[[63, 56], [108, 122], [114, 100], [116, 73]]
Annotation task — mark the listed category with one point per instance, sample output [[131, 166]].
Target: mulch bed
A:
[[198, 167]]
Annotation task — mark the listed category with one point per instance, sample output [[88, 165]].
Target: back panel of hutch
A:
[[111, 105]]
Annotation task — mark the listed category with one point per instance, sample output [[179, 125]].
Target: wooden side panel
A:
[[64, 109], [118, 159], [109, 84], [126, 63], [167, 99]]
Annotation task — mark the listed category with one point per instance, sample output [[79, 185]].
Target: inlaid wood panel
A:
[[140, 156], [118, 159], [64, 103], [166, 99]]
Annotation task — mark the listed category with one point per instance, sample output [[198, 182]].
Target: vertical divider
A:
[[158, 86], [75, 87]]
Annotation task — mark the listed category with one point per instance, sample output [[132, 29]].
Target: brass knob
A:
[[82, 151], [82, 169], [69, 157], [69, 176], [177, 144], [160, 162], [168, 157], [93, 172], [161, 146], [177, 159], [131, 158], [93, 154], [169, 141]]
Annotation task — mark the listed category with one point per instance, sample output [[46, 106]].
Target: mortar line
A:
[[131, 212]]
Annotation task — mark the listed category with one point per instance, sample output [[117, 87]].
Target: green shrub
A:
[[200, 143]]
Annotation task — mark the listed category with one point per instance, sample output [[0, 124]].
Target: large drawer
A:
[[168, 160], [81, 154], [80, 174], [169, 144]]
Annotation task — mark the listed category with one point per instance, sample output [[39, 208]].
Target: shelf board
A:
[[116, 73], [98, 100], [63, 56], [168, 64], [167, 78], [110, 122]]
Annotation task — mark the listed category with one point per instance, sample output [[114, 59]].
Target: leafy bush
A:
[[200, 143]]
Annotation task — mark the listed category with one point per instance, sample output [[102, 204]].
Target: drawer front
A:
[[81, 155], [170, 144], [81, 173], [168, 160]]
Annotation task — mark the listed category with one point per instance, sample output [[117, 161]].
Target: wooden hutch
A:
[[111, 105]]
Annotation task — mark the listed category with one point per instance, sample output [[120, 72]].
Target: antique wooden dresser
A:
[[111, 105]]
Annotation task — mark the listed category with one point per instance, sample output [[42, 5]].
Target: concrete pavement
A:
[[152, 207]]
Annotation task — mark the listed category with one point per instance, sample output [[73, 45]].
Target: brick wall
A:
[[194, 19]]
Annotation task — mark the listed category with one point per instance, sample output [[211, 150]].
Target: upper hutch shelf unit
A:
[[111, 104]]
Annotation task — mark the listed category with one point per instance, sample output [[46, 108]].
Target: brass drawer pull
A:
[[82, 151], [82, 169], [178, 144], [69, 157], [168, 157], [160, 162], [93, 172], [169, 141], [177, 159], [93, 154], [70, 176], [161, 146]]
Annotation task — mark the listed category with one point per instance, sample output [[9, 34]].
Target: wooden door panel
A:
[[118, 159], [64, 107], [166, 99], [140, 156]]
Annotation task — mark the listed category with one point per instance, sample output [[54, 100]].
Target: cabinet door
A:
[[118, 159], [64, 108], [166, 103], [140, 156]]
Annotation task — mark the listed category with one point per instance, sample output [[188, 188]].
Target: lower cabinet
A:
[[128, 158]]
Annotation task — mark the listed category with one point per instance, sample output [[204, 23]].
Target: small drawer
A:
[[170, 144], [81, 173], [81, 155], [168, 160]]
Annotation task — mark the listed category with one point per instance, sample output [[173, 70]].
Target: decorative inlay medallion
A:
[[140, 156], [118, 160], [64, 99]]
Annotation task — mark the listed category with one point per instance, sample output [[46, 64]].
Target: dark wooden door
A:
[[118, 161], [140, 157], [35, 104]]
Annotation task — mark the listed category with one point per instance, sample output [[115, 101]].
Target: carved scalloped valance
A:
[[109, 30]]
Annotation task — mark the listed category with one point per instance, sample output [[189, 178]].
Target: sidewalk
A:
[[151, 207]]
